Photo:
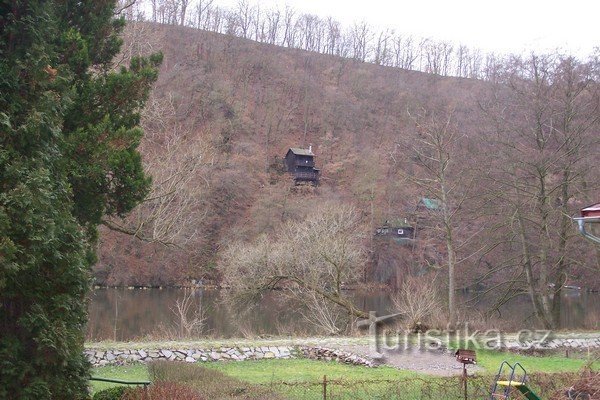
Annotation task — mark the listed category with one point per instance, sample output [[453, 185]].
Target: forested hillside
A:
[[515, 155]]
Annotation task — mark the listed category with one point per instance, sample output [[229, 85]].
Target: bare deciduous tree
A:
[[190, 316], [244, 13], [310, 259], [172, 212], [418, 300], [202, 13], [441, 176], [183, 11], [382, 49], [546, 114], [361, 36], [137, 42], [319, 312], [273, 25], [289, 27]]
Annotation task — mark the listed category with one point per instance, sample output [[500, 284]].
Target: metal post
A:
[[465, 357], [465, 379], [324, 387]]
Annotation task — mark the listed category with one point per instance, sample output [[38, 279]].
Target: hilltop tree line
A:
[[289, 28]]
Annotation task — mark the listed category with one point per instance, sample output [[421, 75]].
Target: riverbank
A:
[[571, 339], [564, 351]]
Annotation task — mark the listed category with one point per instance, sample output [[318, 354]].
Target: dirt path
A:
[[433, 362]]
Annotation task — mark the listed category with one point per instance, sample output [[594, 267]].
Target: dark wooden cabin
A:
[[399, 230], [301, 164]]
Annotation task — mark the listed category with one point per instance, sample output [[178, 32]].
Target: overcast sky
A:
[[505, 26]]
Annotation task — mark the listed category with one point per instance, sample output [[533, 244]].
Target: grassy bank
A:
[[490, 361], [132, 372], [303, 379]]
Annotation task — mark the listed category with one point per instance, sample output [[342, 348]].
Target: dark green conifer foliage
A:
[[68, 156]]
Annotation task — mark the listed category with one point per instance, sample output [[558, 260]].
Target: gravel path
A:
[[433, 362]]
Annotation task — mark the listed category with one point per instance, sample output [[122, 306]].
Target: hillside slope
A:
[[241, 105]]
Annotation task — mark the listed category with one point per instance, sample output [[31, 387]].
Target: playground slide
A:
[[521, 387]]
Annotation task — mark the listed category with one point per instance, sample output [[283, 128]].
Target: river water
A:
[[127, 314]]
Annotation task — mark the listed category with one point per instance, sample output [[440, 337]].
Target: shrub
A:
[[163, 391], [419, 302], [209, 383], [113, 393]]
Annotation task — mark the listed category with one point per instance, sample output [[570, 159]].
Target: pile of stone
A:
[[327, 354]]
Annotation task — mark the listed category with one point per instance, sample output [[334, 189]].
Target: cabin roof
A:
[[398, 223], [431, 204], [301, 152]]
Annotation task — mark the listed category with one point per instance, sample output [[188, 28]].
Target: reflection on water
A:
[[122, 314]]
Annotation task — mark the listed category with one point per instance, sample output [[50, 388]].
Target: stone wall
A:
[[119, 357], [554, 344]]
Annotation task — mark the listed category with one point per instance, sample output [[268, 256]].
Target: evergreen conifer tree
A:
[[68, 156]]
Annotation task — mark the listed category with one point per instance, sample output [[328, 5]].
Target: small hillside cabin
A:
[[301, 164], [398, 230]]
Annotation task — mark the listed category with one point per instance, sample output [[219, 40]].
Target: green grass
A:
[[302, 370], [302, 379], [133, 372], [490, 361]]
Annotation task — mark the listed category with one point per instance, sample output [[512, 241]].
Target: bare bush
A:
[[207, 382], [311, 259], [586, 387], [327, 317], [419, 302], [190, 318], [163, 391]]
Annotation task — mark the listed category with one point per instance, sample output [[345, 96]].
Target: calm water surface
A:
[[124, 314]]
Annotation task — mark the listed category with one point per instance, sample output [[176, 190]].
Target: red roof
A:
[[592, 211]]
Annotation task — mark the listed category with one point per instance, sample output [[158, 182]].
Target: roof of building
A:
[[431, 204], [591, 211], [301, 152], [593, 207], [398, 223]]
